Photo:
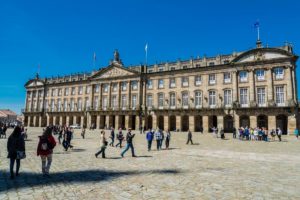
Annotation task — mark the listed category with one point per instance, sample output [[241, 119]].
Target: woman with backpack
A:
[[16, 150], [45, 150]]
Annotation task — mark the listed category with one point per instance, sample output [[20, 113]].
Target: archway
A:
[[244, 121], [121, 122], [185, 123], [149, 122], [212, 122], [37, 121], [262, 121], [198, 123], [281, 122], [93, 121], [161, 122], [56, 121], [102, 122], [172, 121], [228, 124], [50, 121], [71, 120], [64, 120], [133, 120]]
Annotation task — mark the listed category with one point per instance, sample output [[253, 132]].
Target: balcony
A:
[[228, 80]]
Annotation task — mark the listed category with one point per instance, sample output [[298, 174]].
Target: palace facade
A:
[[255, 88]]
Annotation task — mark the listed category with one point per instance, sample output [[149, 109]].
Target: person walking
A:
[[149, 137], [222, 134], [296, 133], [168, 138], [120, 137], [4, 129], [279, 133], [158, 139], [162, 137], [16, 150], [45, 150], [234, 133], [103, 143], [83, 133], [189, 137], [129, 138], [60, 134], [112, 137]]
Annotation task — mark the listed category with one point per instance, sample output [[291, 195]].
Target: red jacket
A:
[[51, 143]]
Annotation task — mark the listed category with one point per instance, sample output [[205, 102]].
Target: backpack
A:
[[46, 144]]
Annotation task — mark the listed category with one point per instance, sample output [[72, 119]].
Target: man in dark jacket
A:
[[129, 144], [149, 138], [189, 137]]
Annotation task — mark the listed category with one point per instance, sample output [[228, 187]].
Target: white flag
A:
[[146, 47]]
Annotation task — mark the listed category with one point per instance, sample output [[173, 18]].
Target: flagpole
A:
[[146, 54], [258, 38]]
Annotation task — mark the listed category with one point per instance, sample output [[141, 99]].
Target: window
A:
[[114, 101], [198, 99], [279, 73], [80, 90], [211, 64], [52, 104], [52, 93], [97, 89], [244, 97], [212, 99], [79, 104], [133, 101], [149, 84], [45, 105], [226, 61], [279, 90], [134, 85], [172, 100], [160, 100], [87, 103], [66, 91], [260, 74], [73, 90], [227, 98], [124, 99], [243, 76], [115, 87], [150, 70], [160, 83], [227, 77], [59, 92], [197, 80], [87, 89], [104, 102], [96, 102], [185, 99], [184, 67], [198, 65], [212, 79], [59, 104], [47, 93], [149, 100], [65, 104], [124, 86], [160, 69], [173, 68], [172, 83], [261, 96], [72, 104], [185, 81], [105, 88]]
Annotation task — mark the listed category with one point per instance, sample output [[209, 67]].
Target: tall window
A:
[[160, 83], [133, 101], [243, 76], [104, 102], [114, 101], [227, 77], [227, 98], [59, 104], [185, 99], [172, 100], [87, 89], [115, 87], [261, 96], [79, 104], [149, 100], [96, 102], [80, 90], [124, 101], [59, 92], [72, 104], [134, 85], [73, 90], [279, 90], [212, 79], [198, 99], [97, 88], [197, 80], [244, 97], [66, 91], [149, 84], [105, 88], [52, 105], [160, 100], [212, 98], [185, 81], [124, 86], [87, 102], [172, 82], [65, 104], [260, 74], [279, 72]]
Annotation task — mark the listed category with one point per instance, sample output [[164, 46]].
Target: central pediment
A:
[[113, 72]]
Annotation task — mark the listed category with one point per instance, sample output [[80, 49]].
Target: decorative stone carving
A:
[[114, 72]]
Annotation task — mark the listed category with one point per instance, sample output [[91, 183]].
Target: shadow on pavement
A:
[[28, 179]]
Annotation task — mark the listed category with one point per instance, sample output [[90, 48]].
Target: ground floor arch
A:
[[212, 122], [282, 123], [149, 122], [244, 121], [172, 123], [228, 124], [161, 122], [262, 121], [198, 123], [185, 123]]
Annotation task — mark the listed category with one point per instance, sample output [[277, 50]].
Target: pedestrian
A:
[[234, 133], [120, 137], [103, 143], [279, 133], [60, 134], [112, 137], [4, 129], [149, 137], [16, 150], [296, 133], [189, 137], [168, 138], [83, 133], [222, 134], [45, 150], [272, 133], [158, 139], [129, 138], [162, 137]]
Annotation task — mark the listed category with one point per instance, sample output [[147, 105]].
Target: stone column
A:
[[205, 124], [107, 121], [192, 122], [40, 121], [88, 120], [81, 121], [234, 88], [74, 120], [54, 120], [117, 122], [61, 120], [129, 95], [98, 122], [294, 83], [289, 84], [119, 95], [154, 121], [166, 122], [251, 87], [271, 122], [253, 121], [127, 122], [34, 121], [137, 122], [236, 119], [178, 122], [109, 95], [91, 96], [292, 124], [67, 120], [220, 121]]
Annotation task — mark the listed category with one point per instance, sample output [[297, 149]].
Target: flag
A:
[[146, 47], [256, 24], [94, 57]]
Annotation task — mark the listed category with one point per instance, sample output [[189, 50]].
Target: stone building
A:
[[253, 88]]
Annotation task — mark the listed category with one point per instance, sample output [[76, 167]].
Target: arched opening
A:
[[84, 122], [44, 121], [185, 123], [228, 124], [161, 122], [149, 122], [37, 121], [281, 122], [212, 122], [64, 119], [26, 121], [93, 121], [133, 120], [78, 120], [50, 121], [102, 122], [172, 121], [244, 121], [71, 120], [56, 120], [262, 121], [198, 124], [112, 121], [121, 122]]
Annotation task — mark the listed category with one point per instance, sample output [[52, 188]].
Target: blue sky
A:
[[62, 36]]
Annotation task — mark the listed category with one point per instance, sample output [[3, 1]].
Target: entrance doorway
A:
[[185, 123], [228, 124], [172, 121], [281, 122], [212, 122]]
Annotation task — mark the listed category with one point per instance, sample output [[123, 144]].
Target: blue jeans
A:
[[128, 145], [12, 163]]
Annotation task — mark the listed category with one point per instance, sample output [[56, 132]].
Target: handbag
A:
[[21, 155]]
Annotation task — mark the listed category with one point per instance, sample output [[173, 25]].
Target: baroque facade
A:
[[255, 88]]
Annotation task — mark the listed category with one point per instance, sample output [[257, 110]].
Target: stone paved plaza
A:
[[210, 169]]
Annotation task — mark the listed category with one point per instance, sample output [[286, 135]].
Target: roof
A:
[[6, 112]]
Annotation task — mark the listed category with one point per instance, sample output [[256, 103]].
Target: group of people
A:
[[3, 129], [257, 134]]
